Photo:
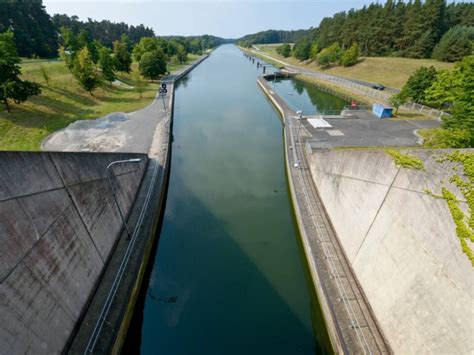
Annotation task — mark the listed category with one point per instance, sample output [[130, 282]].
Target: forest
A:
[[413, 29], [37, 34]]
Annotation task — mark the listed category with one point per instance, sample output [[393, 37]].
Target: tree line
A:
[[415, 29], [93, 51], [448, 90], [272, 36], [37, 34]]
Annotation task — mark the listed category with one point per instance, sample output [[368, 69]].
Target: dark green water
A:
[[308, 98], [229, 275]]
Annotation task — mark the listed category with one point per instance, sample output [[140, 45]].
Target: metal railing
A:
[[343, 293], [429, 111]]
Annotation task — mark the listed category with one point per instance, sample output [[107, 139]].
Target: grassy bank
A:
[[63, 101], [389, 71], [346, 93]]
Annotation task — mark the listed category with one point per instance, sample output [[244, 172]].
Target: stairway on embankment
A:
[[400, 239]]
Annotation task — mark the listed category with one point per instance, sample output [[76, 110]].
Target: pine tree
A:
[[11, 86], [123, 59], [106, 64], [455, 44]]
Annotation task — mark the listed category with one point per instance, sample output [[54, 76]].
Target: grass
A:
[[389, 71], [269, 61], [63, 101], [175, 67]]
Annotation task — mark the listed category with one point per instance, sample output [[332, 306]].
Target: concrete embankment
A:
[[59, 226], [69, 273], [352, 328], [106, 323], [401, 242]]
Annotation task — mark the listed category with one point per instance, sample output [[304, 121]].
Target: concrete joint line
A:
[[375, 217], [35, 243], [101, 178], [75, 207], [354, 178], [31, 194]]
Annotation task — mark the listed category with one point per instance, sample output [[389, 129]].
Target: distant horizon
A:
[[223, 18]]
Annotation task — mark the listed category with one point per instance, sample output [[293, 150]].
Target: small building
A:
[[382, 111]]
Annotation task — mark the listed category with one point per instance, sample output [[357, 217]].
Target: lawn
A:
[[389, 71], [63, 101]]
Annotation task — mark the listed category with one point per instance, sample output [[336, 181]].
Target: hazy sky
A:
[[225, 18]]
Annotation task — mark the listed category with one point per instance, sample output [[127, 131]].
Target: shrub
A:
[[350, 56], [284, 50]]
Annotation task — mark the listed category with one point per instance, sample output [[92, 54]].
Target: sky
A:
[[224, 18]]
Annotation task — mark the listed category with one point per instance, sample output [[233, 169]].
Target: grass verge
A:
[[63, 101], [389, 71]]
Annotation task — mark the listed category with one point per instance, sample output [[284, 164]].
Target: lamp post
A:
[[299, 119], [135, 160]]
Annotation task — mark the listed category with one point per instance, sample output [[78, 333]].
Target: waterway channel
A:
[[308, 98], [229, 276]]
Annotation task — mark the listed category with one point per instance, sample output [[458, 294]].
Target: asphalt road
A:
[[117, 132]]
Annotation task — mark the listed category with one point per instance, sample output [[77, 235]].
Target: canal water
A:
[[303, 96], [229, 275]]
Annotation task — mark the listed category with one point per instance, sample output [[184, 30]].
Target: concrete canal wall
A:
[[59, 226], [342, 301], [61, 253], [106, 323], [401, 242]]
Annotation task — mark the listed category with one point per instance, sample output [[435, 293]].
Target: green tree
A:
[[418, 83], [302, 49], [146, 44], [106, 64], [34, 33], [455, 89], [329, 55], [181, 54], [153, 64], [11, 86], [123, 59], [138, 83], [84, 70], [314, 51], [350, 56], [455, 44], [284, 50], [398, 100]]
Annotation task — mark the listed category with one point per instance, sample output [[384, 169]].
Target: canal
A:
[[229, 275], [306, 97]]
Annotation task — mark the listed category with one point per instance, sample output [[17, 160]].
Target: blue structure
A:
[[382, 111]]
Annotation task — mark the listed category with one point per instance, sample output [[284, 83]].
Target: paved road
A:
[[117, 132]]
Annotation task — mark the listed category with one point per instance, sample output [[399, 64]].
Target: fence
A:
[[376, 94], [430, 112]]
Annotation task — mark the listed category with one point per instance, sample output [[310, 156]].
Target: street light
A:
[[299, 119], [134, 160]]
